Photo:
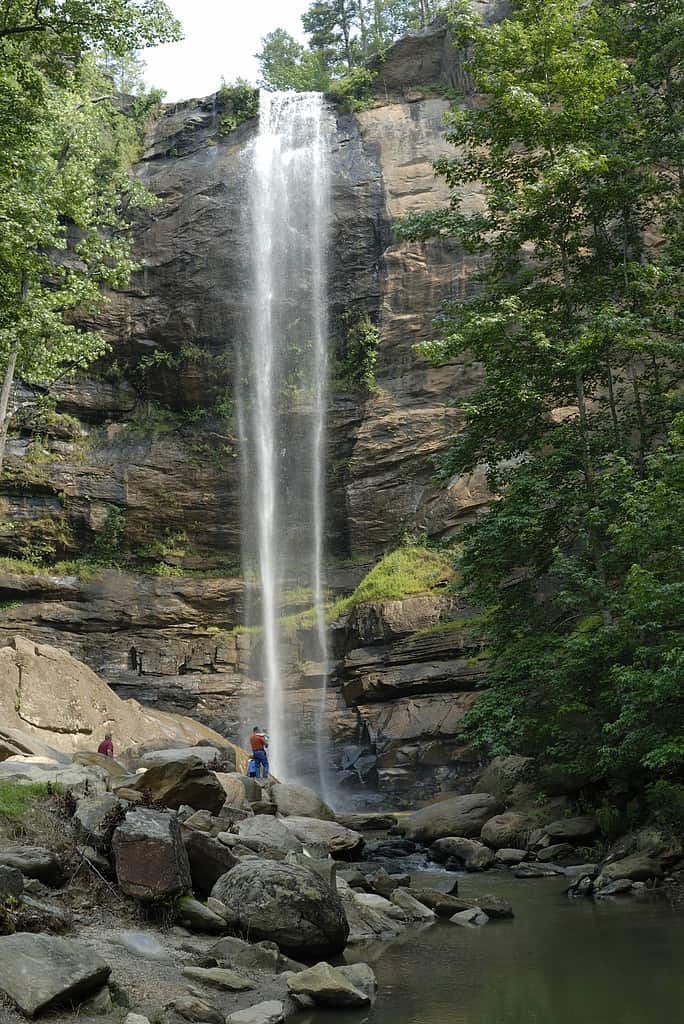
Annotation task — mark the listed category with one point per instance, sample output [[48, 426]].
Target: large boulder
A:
[[285, 903], [267, 835], [458, 816], [27, 769], [341, 842], [90, 815], [151, 862], [271, 1011], [505, 830], [457, 853], [572, 830], [300, 801], [48, 697], [41, 971], [206, 754], [208, 859], [638, 867], [183, 782]]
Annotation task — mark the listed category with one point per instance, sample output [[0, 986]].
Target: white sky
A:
[[221, 38]]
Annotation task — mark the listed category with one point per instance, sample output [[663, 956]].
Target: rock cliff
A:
[[140, 463]]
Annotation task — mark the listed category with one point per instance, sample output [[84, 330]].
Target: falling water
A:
[[283, 374]]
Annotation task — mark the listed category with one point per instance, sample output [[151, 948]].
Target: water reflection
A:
[[615, 962]]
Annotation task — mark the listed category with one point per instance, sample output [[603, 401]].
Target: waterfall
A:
[[283, 369]]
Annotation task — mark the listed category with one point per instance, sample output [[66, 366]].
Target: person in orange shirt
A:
[[258, 743]]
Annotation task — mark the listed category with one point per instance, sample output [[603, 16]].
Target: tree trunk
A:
[[9, 380]]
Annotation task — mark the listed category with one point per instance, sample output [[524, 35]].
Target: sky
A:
[[221, 38]]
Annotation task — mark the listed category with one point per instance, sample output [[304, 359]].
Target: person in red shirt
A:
[[258, 743], [106, 747]]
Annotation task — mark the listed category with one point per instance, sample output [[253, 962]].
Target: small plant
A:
[[355, 368], [65, 803], [352, 93], [110, 823], [236, 102]]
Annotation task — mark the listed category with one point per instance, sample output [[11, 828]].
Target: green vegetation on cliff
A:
[[578, 324]]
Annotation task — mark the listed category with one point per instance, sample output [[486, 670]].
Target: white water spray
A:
[[284, 383]]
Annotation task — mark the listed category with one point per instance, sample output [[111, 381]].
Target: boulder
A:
[[572, 830], [33, 862], [556, 853], [504, 830], [268, 835], [208, 860], [537, 870], [235, 788], [41, 971], [446, 905], [198, 917], [327, 986], [25, 770], [300, 801], [286, 904], [219, 977], [151, 862], [183, 782], [207, 755], [192, 1008], [503, 774], [11, 882], [458, 816], [362, 977], [473, 918], [271, 1011], [250, 956], [380, 905], [639, 867], [368, 821], [90, 813], [510, 856], [340, 842], [413, 908], [460, 853], [618, 887]]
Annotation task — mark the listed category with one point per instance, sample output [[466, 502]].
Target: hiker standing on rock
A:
[[258, 743], [106, 747]]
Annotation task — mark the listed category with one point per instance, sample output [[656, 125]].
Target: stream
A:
[[614, 961]]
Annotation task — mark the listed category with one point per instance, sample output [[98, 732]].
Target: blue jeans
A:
[[261, 762]]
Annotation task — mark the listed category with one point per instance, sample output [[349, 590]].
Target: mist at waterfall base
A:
[[283, 369]]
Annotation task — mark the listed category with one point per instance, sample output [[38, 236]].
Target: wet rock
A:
[[367, 822], [362, 977], [639, 867], [208, 859], [459, 816], [443, 904], [183, 782], [33, 862], [413, 909], [300, 801], [572, 830], [339, 841], [473, 918], [271, 1011], [538, 871], [198, 917], [458, 853], [494, 907], [380, 905], [618, 887], [151, 862], [504, 830], [41, 971], [327, 987], [219, 977], [286, 904]]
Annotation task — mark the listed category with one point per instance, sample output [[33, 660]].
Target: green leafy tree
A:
[[286, 64], [578, 327], [63, 186]]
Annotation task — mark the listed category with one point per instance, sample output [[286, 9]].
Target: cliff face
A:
[[146, 459]]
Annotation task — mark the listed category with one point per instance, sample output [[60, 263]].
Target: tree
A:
[[578, 326], [63, 153], [286, 64]]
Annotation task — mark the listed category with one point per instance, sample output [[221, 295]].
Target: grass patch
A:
[[17, 801]]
